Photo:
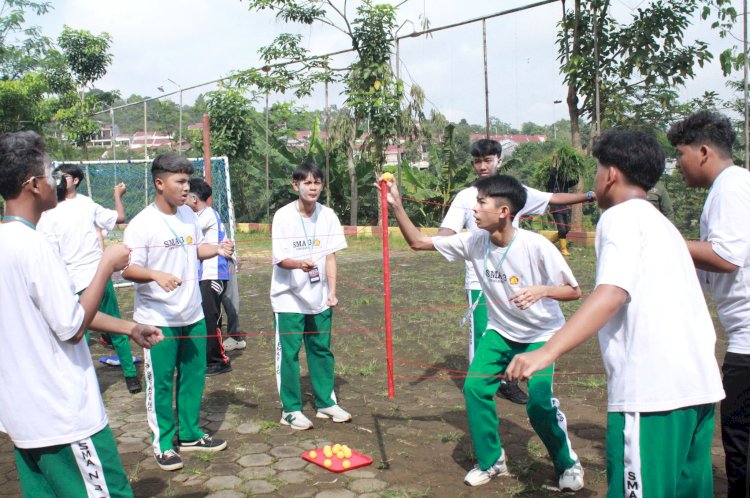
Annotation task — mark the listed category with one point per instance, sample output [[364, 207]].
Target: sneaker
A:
[[218, 369], [513, 393], [335, 413], [296, 420], [572, 478], [206, 443], [231, 344], [477, 476], [169, 460], [134, 385]]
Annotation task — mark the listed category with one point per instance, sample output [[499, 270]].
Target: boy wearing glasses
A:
[[71, 228], [306, 236]]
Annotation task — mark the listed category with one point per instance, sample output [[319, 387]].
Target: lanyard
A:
[[484, 275], [314, 220], [177, 237], [22, 220], [502, 258]]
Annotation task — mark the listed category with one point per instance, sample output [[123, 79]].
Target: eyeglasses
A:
[[31, 178]]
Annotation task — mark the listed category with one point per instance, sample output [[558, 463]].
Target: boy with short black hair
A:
[[167, 243], [306, 236], [213, 274], [523, 275], [655, 333], [71, 228], [704, 158], [50, 403], [486, 160]]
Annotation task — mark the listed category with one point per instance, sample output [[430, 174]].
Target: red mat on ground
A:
[[356, 461]]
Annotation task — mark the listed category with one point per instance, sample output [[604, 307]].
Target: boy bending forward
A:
[[517, 269]]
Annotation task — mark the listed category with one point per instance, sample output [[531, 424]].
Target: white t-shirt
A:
[[302, 238], [658, 349], [71, 229], [215, 268], [725, 223], [49, 394], [531, 260], [166, 243], [460, 215]]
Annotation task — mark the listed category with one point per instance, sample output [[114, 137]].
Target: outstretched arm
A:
[[575, 198], [601, 305], [413, 236]]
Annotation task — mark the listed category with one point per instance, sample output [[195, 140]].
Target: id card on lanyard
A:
[[314, 273]]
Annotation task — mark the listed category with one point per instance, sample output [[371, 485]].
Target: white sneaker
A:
[[231, 344], [572, 478], [335, 412], [477, 476], [296, 420]]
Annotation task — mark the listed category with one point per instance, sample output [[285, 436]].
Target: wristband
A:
[[589, 195]]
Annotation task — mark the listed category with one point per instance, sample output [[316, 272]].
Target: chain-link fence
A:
[[102, 176]]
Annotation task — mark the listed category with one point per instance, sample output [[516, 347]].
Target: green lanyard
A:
[[314, 220], [484, 275], [177, 237], [22, 220]]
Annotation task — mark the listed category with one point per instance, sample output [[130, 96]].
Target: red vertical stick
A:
[[387, 291]]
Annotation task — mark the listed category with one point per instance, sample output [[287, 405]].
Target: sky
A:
[[194, 41]]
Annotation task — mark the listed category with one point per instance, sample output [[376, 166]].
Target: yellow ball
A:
[[313, 454], [346, 464], [347, 453], [340, 455], [328, 453], [326, 448], [387, 177], [336, 448], [327, 463]]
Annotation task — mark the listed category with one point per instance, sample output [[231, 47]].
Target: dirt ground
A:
[[419, 440]]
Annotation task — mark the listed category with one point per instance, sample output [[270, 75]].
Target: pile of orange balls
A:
[[340, 451]]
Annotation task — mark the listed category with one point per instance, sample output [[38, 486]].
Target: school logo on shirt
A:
[[190, 239], [513, 280], [176, 242], [495, 276], [305, 243]]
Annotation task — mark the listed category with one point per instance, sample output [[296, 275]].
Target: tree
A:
[[636, 62], [373, 93], [86, 59], [21, 48]]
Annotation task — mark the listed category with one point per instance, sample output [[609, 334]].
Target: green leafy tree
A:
[[87, 58], [22, 48]]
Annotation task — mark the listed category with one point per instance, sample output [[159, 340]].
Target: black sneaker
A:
[[134, 385], [513, 393], [218, 369], [206, 443], [169, 460]]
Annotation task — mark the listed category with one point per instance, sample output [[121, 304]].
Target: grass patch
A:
[[450, 437], [266, 425]]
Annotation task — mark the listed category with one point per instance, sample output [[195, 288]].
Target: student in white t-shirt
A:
[[486, 159], [167, 243], [523, 276], [704, 158], [306, 236], [72, 229], [213, 274], [50, 403], [655, 332]]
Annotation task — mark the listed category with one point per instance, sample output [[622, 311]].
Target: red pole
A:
[[207, 154], [387, 291]]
